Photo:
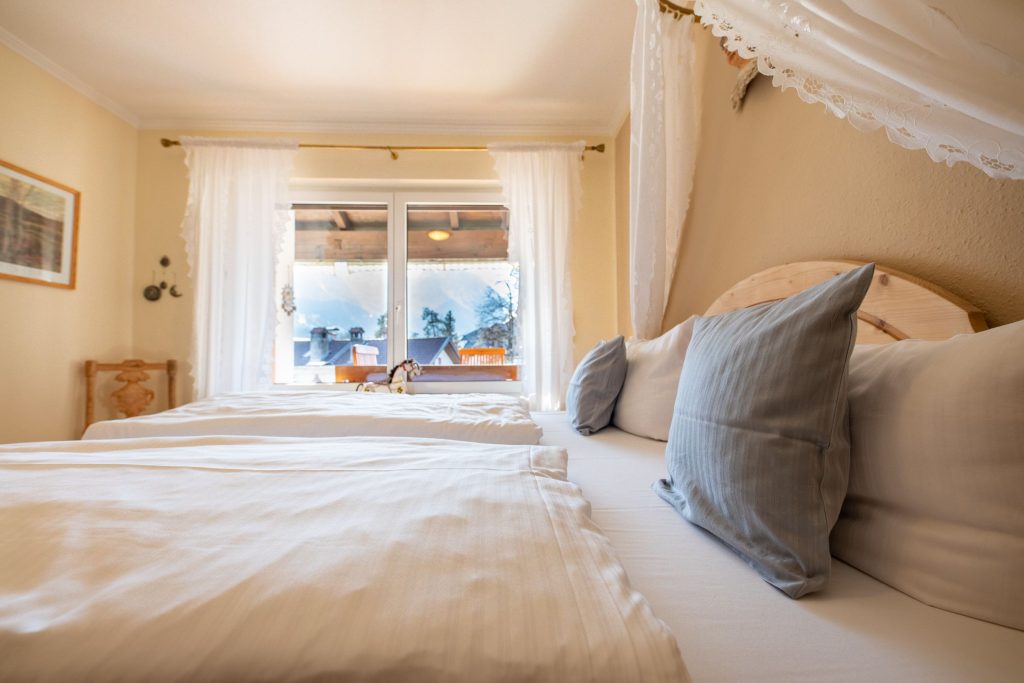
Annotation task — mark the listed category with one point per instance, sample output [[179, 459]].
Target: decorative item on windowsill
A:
[[154, 291], [406, 371], [748, 72]]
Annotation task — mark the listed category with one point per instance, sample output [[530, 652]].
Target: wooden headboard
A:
[[898, 306]]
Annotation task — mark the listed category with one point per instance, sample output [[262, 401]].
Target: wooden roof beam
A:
[[341, 220]]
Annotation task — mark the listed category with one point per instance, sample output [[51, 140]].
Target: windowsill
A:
[[440, 379], [431, 374], [479, 387]]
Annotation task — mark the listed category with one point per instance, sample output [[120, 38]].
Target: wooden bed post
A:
[[172, 375], [90, 390]]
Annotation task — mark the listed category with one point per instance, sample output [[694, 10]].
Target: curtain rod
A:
[[393, 150]]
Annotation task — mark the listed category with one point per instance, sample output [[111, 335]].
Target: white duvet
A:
[[242, 558], [485, 418]]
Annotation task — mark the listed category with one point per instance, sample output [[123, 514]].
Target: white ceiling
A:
[[484, 66]]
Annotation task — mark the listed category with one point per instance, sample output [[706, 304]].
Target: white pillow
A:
[[935, 506], [648, 395]]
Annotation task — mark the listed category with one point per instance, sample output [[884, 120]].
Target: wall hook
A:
[[154, 291], [174, 288]]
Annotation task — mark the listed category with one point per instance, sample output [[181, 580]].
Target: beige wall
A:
[[163, 328], [625, 323], [49, 129], [783, 181], [780, 181]]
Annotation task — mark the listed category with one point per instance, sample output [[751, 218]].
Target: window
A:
[[382, 277]]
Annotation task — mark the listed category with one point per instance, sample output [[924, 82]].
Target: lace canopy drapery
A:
[[664, 122], [542, 185], [945, 76], [233, 230]]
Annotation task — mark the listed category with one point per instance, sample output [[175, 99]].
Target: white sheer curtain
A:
[[946, 76], [233, 229], [664, 129], [541, 183]]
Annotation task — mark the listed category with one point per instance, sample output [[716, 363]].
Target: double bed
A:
[[732, 626], [314, 544], [262, 558], [482, 418]]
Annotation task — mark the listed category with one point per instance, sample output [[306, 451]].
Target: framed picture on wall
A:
[[38, 228]]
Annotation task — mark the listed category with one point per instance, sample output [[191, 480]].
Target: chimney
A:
[[319, 346], [356, 334]]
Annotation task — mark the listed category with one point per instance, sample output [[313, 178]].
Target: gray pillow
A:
[[595, 385], [759, 449]]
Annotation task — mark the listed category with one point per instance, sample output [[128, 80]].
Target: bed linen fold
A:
[[247, 558], [484, 418], [731, 626]]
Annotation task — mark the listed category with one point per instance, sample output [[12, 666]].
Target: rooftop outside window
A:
[[456, 285]]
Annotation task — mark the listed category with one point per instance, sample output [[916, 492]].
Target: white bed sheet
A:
[[247, 558], [483, 418], [732, 626]]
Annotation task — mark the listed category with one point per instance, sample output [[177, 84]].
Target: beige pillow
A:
[[935, 506], [648, 394]]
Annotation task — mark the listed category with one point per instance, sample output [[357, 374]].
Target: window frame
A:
[[397, 196]]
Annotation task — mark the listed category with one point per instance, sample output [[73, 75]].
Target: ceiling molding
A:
[[625, 108], [388, 127], [19, 46], [268, 121]]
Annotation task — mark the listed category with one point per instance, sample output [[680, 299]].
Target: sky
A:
[[354, 295]]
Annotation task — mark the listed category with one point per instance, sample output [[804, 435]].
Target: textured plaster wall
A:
[[784, 181], [49, 129], [622, 228]]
